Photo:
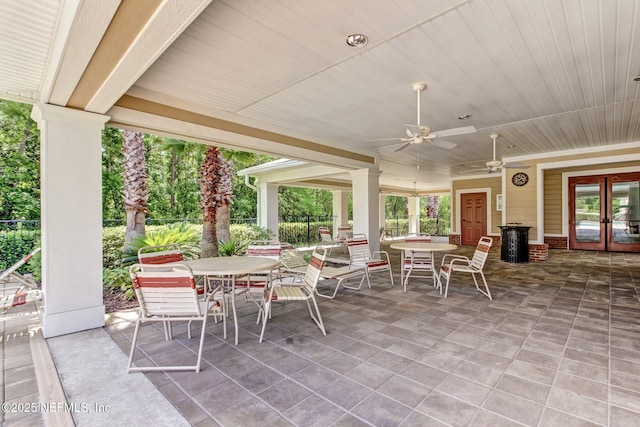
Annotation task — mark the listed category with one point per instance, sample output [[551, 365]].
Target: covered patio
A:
[[557, 81], [557, 346]]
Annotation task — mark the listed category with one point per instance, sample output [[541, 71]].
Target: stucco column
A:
[[382, 211], [340, 209], [268, 206], [366, 199], [71, 211], [414, 214]]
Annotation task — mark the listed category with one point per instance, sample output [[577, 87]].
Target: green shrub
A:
[[181, 233], [118, 279], [231, 247], [112, 246], [16, 244]]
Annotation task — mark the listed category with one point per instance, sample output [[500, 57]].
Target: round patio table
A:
[[228, 268], [423, 247]]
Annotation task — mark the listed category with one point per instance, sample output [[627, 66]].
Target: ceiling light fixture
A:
[[637, 78], [464, 116], [357, 40], [511, 146]]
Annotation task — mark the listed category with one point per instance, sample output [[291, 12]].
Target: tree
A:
[[19, 162], [135, 185], [213, 193], [223, 216]]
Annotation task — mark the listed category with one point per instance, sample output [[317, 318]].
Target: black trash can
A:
[[515, 243]]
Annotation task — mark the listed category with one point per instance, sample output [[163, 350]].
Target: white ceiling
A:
[[547, 75]]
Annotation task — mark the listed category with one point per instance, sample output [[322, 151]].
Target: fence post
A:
[[308, 230]]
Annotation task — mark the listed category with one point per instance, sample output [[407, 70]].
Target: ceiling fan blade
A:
[[403, 146], [443, 144], [453, 131], [413, 131], [476, 170], [384, 139]]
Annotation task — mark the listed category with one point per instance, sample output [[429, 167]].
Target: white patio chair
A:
[[299, 289], [16, 288], [168, 296], [417, 261], [253, 285], [475, 265], [360, 256]]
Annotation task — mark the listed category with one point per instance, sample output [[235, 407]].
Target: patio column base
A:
[[538, 252], [67, 322]]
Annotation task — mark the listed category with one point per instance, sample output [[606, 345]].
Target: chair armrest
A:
[[380, 253], [453, 257]]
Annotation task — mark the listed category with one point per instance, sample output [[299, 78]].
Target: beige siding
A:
[[521, 201]]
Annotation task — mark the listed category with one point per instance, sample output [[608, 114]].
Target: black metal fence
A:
[[17, 239]]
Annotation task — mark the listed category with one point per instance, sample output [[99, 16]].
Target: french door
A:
[[605, 212]]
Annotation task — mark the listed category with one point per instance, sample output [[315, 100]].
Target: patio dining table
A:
[[228, 268], [423, 247]]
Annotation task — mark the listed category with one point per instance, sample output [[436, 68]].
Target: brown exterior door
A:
[[605, 212], [473, 217]]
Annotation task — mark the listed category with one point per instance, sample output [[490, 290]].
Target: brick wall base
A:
[[557, 242], [538, 252]]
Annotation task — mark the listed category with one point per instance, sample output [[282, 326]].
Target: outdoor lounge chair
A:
[[18, 289], [360, 256], [168, 296], [298, 289], [475, 265]]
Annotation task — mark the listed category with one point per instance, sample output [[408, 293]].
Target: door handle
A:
[[605, 220]]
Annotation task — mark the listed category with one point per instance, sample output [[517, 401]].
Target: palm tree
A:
[[223, 216], [136, 191], [215, 191]]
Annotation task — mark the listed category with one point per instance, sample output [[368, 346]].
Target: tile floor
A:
[[558, 346]]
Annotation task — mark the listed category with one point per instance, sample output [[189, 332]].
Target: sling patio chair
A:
[[417, 261], [299, 289], [254, 284], [16, 288], [360, 256], [160, 254], [167, 296], [475, 265]]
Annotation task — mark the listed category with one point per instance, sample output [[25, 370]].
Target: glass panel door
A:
[[587, 228], [624, 208]]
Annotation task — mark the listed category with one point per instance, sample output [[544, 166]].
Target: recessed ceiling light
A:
[[357, 40], [464, 116]]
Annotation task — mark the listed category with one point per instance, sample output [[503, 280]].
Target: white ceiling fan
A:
[[417, 134], [496, 165]]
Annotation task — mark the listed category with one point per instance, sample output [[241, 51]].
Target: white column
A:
[[366, 191], [268, 206], [340, 209], [71, 212], [414, 214], [382, 211]]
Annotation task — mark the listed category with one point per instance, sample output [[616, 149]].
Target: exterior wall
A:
[[557, 242], [495, 184], [520, 202]]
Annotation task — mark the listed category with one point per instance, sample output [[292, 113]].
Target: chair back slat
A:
[[481, 253], [423, 238], [265, 248], [359, 248], [344, 232], [292, 259], [314, 268], [165, 293], [160, 254]]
